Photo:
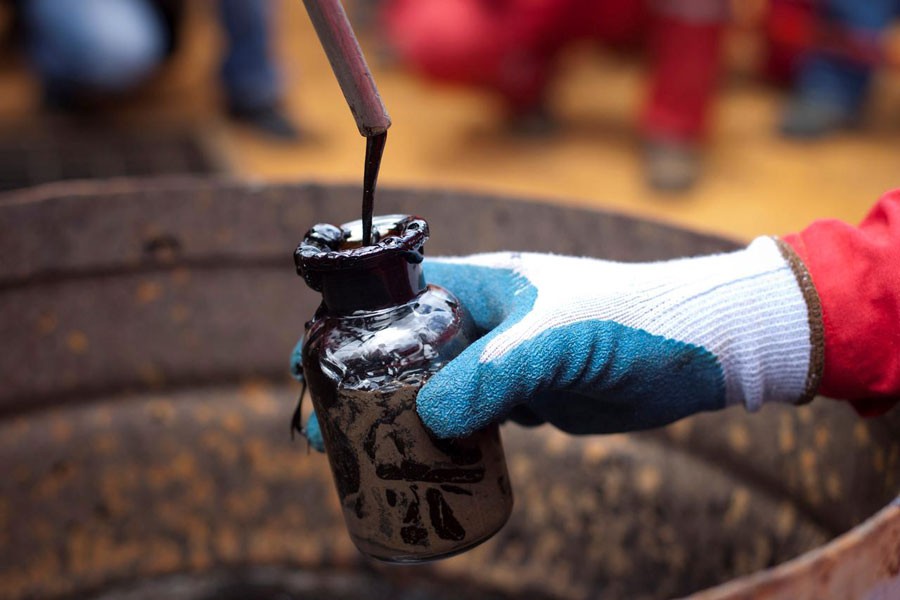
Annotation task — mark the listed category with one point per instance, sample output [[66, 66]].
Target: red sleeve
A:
[[856, 272]]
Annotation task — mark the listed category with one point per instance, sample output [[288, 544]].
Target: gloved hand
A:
[[596, 347]]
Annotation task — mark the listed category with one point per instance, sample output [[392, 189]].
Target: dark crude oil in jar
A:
[[377, 337]]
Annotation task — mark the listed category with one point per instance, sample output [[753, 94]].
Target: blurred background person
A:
[[512, 47], [89, 51], [845, 44], [788, 30]]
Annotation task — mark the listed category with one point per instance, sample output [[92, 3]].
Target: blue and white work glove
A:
[[596, 347], [593, 346]]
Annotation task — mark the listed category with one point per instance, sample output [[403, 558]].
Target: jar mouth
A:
[[328, 248]]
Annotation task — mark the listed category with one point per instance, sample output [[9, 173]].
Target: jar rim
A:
[[327, 248]]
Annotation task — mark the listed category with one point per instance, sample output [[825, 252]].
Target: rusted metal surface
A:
[[61, 149], [864, 563], [144, 423]]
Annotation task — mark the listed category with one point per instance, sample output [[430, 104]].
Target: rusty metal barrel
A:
[[145, 405]]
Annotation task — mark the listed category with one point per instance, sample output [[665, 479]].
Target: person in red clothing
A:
[[789, 30], [593, 346], [512, 47], [836, 72]]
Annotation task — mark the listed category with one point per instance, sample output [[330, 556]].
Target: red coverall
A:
[[790, 28], [856, 272], [511, 46]]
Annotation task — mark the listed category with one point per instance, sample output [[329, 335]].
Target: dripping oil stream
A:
[[374, 151]]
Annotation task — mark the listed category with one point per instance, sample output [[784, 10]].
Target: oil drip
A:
[[374, 151]]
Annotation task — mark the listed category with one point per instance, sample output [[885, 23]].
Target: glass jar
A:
[[377, 337]]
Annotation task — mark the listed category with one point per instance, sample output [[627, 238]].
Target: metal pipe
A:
[[349, 65]]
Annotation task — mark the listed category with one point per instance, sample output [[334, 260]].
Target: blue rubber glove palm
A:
[[596, 347]]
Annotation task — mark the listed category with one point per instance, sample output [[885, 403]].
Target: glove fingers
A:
[[525, 416], [587, 377], [578, 414], [627, 380]]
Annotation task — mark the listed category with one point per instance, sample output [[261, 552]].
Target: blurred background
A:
[[145, 401], [795, 111]]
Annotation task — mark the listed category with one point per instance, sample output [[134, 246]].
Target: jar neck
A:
[[390, 282]]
